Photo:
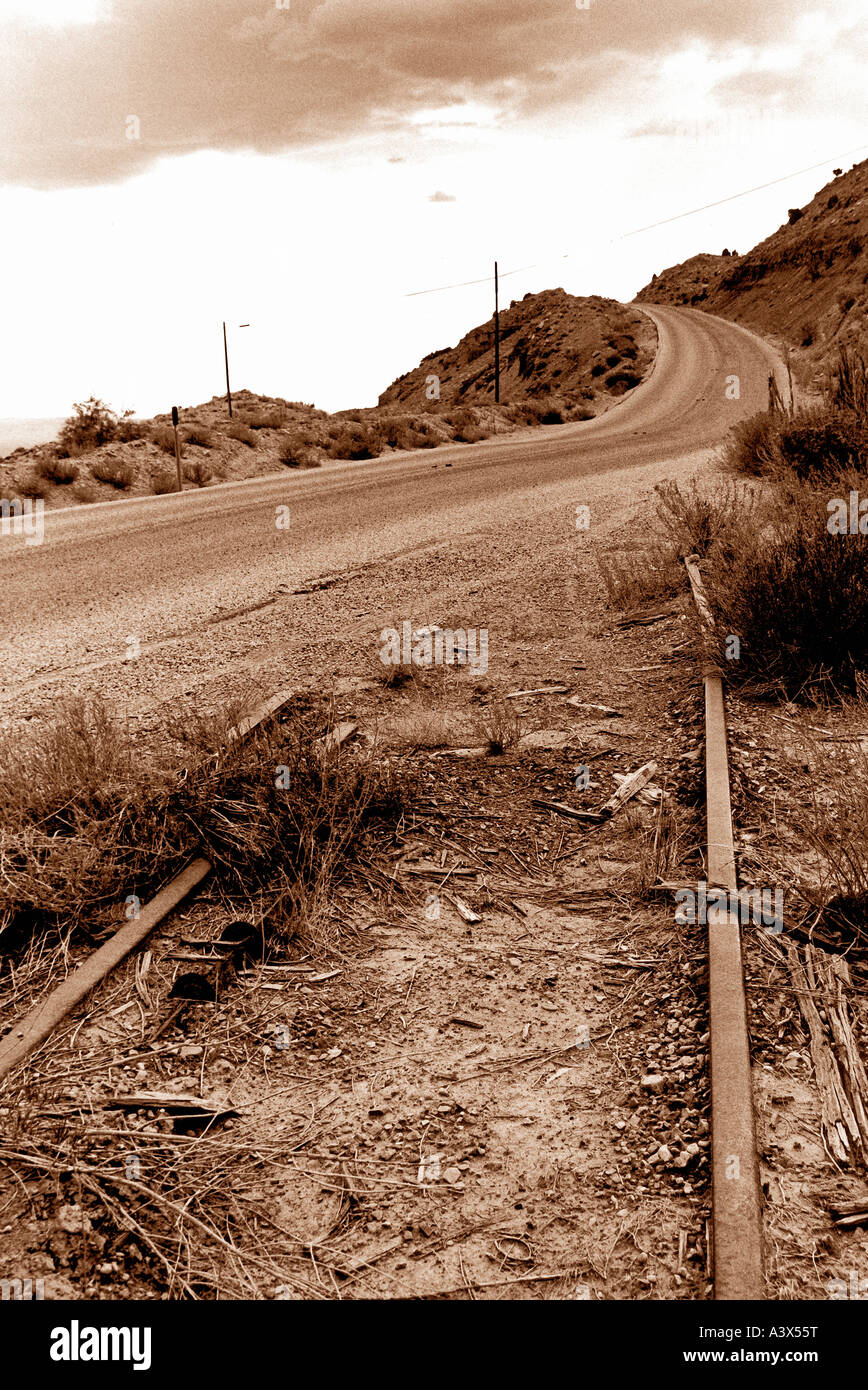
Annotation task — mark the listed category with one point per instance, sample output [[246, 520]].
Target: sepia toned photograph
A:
[[426, 889]]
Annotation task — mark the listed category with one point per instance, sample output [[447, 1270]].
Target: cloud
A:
[[210, 75], [440, 197]]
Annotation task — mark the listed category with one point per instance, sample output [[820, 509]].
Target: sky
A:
[[307, 167]]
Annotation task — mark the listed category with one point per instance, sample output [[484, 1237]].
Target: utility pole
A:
[[496, 337], [226, 360]]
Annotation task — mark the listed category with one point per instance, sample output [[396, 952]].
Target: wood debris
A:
[[595, 709], [540, 690], [840, 1072]]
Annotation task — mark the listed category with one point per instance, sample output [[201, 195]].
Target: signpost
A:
[[177, 447], [496, 336]]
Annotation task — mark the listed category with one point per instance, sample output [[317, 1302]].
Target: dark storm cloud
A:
[[246, 75]]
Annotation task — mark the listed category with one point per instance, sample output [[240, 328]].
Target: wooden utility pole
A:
[[226, 359], [496, 337], [177, 448]]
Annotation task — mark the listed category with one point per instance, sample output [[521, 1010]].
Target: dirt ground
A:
[[511, 1106]]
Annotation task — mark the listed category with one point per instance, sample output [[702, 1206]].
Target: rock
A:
[[663, 1154], [452, 1175], [653, 1081], [73, 1219]]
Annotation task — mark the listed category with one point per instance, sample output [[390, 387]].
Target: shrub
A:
[[197, 434], [56, 468], [164, 438], [243, 434], [794, 215], [752, 446], [848, 386], [822, 445], [33, 486], [699, 521], [129, 429], [268, 420], [807, 334], [199, 472], [796, 596], [501, 728], [84, 491], [424, 437], [295, 453], [620, 382], [92, 425], [356, 442], [164, 481], [598, 369], [115, 471]]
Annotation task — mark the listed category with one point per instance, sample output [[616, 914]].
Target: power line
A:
[[462, 284], [732, 196]]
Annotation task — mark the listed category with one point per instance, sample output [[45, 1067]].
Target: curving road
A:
[[165, 567]]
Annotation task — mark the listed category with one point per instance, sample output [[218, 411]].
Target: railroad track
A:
[[736, 1195]]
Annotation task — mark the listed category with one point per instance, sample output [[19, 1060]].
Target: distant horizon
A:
[[27, 431], [336, 179]]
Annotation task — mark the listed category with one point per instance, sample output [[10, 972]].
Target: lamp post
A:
[[226, 360]]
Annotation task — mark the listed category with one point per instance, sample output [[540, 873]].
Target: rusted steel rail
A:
[[40, 1023], [736, 1195]]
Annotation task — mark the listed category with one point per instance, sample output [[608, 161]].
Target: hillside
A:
[[563, 359], [583, 349], [805, 284]]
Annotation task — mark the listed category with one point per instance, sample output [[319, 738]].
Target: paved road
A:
[[163, 566]]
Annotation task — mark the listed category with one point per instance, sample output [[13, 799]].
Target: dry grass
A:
[[243, 434], [701, 519], [163, 481], [115, 471], [796, 596], [198, 434], [661, 847], [638, 576], [87, 821], [164, 438], [56, 469], [836, 832], [424, 728], [295, 452], [501, 728], [199, 473], [31, 485]]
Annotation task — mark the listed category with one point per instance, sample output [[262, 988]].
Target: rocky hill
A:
[[806, 284], [563, 359], [580, 349]]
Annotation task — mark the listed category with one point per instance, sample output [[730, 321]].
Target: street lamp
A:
[[226, 360]]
